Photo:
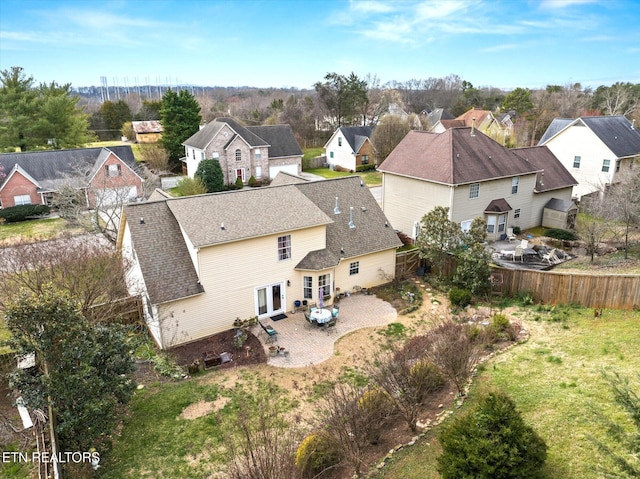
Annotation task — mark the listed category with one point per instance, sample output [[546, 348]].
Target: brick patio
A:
[[308, 346]]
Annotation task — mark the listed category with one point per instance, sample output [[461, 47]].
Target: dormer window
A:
[[238, 155]]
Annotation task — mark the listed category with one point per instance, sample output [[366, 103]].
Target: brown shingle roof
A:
[[454, 157], [553, 175], [166, 266]]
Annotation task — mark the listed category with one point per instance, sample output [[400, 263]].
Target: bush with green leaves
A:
[[367, 167], [209, 172], [561, 234], [491, 441], [460, 297], [14, 214]]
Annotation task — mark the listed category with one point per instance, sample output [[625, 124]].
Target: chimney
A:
[[352, 225], [473, 126], [542, 179]]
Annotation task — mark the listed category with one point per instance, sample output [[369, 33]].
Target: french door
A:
[[269, 299]]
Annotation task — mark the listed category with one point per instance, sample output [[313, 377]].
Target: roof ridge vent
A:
[[336, 210], [352, 225]]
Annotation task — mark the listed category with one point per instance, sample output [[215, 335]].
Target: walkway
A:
[[308, 346]]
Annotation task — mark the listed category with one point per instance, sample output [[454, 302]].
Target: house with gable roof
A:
[[482, 120], [200, 262], [471, 174], [105, 175], [244, 151], [594, 149], [350, 147]]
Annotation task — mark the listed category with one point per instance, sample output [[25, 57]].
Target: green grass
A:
[[371, 178], [309, 153], [33, 230], [555, 380]]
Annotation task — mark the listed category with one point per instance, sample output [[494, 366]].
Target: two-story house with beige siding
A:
[[594, 149], [468, 172], [244, 151], [201, 262]]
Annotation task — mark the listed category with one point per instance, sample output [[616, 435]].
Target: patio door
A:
[[269, 299]]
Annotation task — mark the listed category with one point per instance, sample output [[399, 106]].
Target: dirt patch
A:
[[202, 408]]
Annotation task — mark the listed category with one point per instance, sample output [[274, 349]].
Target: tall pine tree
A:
[[180, 118]]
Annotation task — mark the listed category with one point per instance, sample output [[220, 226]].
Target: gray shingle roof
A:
[[559, 205], [282, 142], [52, 167], [553, 175], [245, 214], [498, 206], [370, 233], [356, 135], [616, 132], [166, 266], [454, 157]]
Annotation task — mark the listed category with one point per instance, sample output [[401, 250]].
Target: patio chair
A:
[[550, 257], [330, 326], [335, 311], [309, 322], [524, 244], [518, 253], [272, 334], [510, 235]]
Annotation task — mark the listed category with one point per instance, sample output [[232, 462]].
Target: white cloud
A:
[[557, 4]]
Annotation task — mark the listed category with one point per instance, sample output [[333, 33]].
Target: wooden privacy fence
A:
[[591, 291], [407, 262]]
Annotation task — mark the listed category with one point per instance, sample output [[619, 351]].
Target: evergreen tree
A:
[[18, 110], [180, 118], [491, 441], [210, 173]]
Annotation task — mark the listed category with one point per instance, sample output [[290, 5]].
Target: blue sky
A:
[[294, 43]]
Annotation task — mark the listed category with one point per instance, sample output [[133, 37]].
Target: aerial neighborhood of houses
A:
[[257, 251]]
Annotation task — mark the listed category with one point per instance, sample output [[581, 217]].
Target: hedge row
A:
[[15, 214]]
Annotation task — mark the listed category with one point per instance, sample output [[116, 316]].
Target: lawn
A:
[[33, 230], [371, 178], [555, 380]]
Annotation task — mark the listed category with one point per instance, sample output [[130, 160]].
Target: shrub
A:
[[491, 440], [427, 379], [368, 167], [14, 214], [316, 453], [239, 185], [460, 297], [500, 323], [190, 186], [252, 181], [560, 234], [516, 230]]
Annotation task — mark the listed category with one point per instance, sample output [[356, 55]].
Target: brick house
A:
[[105, 175]]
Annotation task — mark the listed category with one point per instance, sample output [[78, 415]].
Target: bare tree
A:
[[625, 196], [452, 351], [86, 267], [354, 417], [389, 132], [156, 158], [594, 225], [618, 99]]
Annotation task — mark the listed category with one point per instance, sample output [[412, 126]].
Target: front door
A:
[[269, 300]]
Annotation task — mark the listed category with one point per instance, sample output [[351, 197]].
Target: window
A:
[[365, 159], [516, 213], [202, 155], [113, 170], [323, 282], [193, 154], [502, 221], [331, 154], [216, 155], [466, 225], [307, 287], [354, 268], [20, 200], [238, 155], [617, 165], [339, 141], [514, 185], [605, 165], [491, 224], [474, 190], [258, 154], [284, 247], [258, 171], [576, 162]]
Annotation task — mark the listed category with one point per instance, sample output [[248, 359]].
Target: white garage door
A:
[[116, 196], [274, 170]]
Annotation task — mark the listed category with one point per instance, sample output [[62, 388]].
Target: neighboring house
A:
[[200, 262], [350, 147], [552, 193], [482, 120], [244, 151], [594, 149], [147, 131], [471, 174], [105, 175], [434, 116]]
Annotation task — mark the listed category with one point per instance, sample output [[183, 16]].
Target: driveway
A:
[[308, 346]]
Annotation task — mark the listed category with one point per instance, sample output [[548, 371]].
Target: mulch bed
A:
[[251, 352]]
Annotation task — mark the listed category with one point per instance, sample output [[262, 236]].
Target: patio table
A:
[[321, 315]]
